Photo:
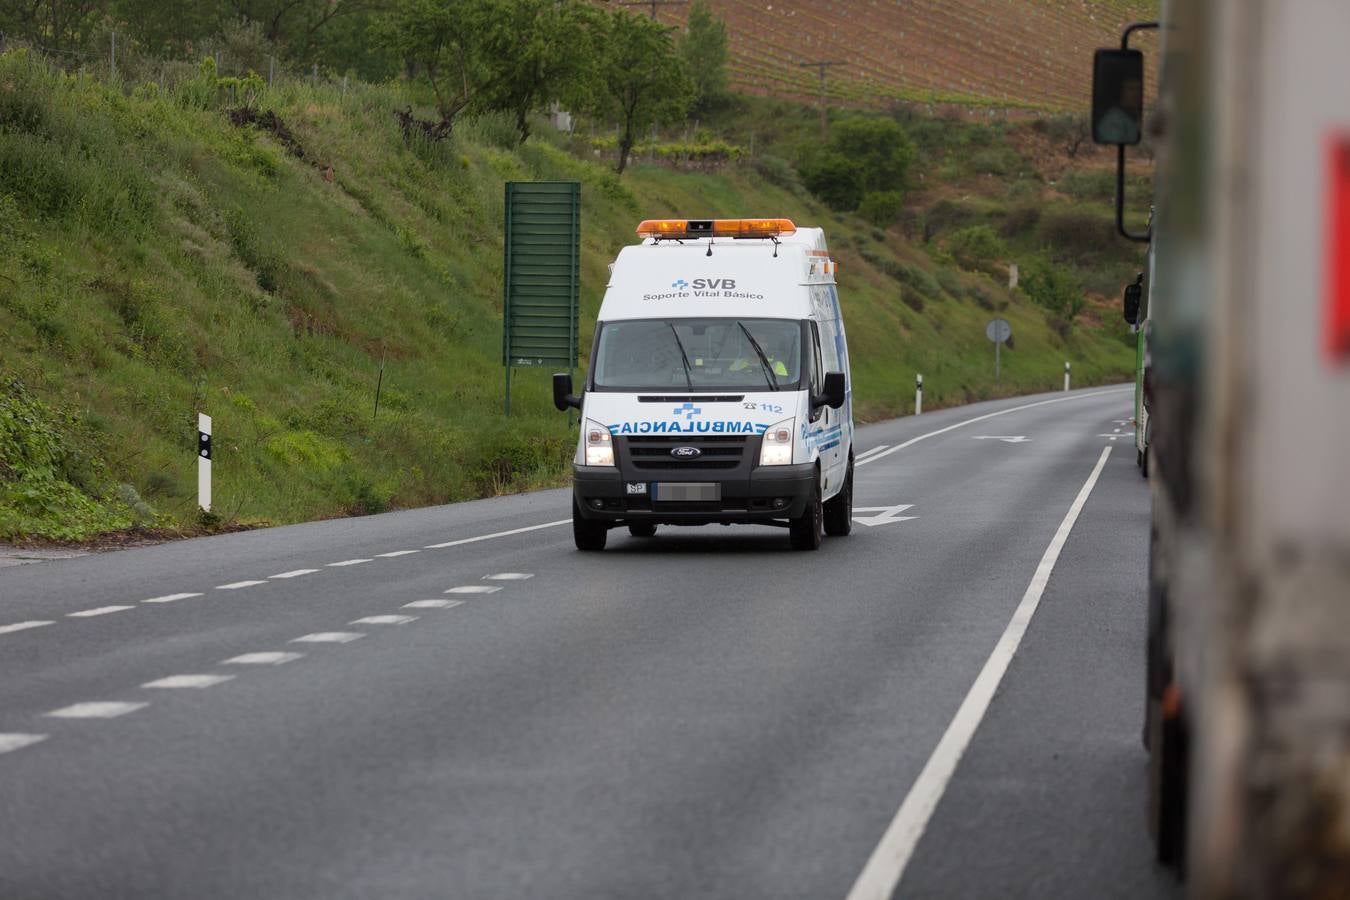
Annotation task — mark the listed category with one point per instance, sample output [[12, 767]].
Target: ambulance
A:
[[718, 389]]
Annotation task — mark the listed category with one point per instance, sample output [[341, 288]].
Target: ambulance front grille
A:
[[716, 451]]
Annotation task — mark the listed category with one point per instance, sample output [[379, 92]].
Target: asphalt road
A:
[[701, 714]]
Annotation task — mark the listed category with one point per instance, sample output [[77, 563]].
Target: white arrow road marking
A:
[[383, 620], [10, 742], [294, 573], [1122, 422], [887, 864], [509, 576], [328, 637], [22, 626], [1005, 438], [234, 586], [266, 658], [100, 611], [106, 709], [1114, 437], [433, 604], [169, 598], [474, 589], [885, 515], [188, 681]]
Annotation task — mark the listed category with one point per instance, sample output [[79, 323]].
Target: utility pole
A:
[[653, 4], [823, 66]]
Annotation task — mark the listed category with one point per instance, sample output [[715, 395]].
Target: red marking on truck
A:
[[1338, 252]]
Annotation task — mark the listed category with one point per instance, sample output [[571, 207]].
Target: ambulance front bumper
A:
[[764, 494]]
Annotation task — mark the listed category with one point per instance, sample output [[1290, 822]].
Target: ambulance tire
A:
[[642, 530], [589, 535], [839, 508], [808, 530]]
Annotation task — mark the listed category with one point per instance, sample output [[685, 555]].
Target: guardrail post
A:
[[1066, 374], [918, 394], [204, 461]]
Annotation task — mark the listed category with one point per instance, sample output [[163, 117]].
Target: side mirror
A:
[[833, 397], [1117, 96], [1134, 295], [562, 392]]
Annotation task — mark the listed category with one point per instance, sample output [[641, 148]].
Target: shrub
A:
[[1021, 219], [881, 208], [1078, 235], [864, 155], [975, 247], [1053, 288], [779, 172], [1092, 184]]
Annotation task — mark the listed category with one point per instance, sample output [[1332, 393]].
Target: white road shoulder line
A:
[[236, 585], [433, 604], [497, 534], [1002, 412], [23, 626], [347, 562], [509, 576], [474, 589], [100, 611], [397, 553], [10, 742], [869, 451], [295, 573], [104, 709], [170, 598], [188, 681], [383, 620], [328, 637], [265, 658], [887, 864]]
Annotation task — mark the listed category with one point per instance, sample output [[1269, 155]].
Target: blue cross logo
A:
[[681, 284], [688, 410]]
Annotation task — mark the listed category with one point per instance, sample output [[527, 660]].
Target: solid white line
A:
[[433, 604], [188, 681], [396, 553], [348, 562], [328, 637], [509, 576], [383, 620], [169, 598], [100, 611], [296, 573], [887, 864], [497, 534], [474, 589], [22, 626], [107, 709], [1002, 412], [234, 586], [869, 451], [265, 658], [10, 742]]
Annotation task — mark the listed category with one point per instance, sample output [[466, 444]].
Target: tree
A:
[[863, 156], [704, 51], [1053, 288], [438, 40], [640, 78]]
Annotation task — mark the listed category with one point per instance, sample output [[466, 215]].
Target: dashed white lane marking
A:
[[397, 553], [497, 534], [383, 620], [100, 611], [509, 576], [348, 562], [474, 589], [10, 742], [266, 658], [234, 586], [23, 626], [1002, 412], [170, 598], [188, 681], [433, 604], [887, 864], [99, 709], [294, 573], [328, 637]]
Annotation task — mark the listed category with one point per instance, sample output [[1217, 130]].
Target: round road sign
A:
[[998, 330]]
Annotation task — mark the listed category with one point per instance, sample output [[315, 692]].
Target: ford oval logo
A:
[[686, 453]]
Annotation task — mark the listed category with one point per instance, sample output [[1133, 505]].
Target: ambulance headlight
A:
[[776, 450], [599, 445]]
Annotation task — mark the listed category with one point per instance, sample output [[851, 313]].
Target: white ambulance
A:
[[719, 387]]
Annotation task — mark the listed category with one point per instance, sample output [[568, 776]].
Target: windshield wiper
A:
[[769, 375], [684, 357]]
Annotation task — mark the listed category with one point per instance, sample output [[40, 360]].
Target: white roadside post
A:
[[918, 394], [1066, 374], [204, 461]]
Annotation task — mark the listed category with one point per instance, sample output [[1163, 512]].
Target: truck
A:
[[718, 387], [1247, 693]]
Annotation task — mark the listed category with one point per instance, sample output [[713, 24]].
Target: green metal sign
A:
[[542, 274]]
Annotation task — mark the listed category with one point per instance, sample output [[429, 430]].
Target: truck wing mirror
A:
[[1134, 295], [1117, 96], [835, 387], [562, 392]]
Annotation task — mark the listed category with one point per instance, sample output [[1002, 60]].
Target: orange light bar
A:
[[671, 229]]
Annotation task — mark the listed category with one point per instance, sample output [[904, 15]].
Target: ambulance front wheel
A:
[[808, 530], [588, 535], [839, 508]]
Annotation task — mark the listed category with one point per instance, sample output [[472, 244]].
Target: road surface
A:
[[454, 702]]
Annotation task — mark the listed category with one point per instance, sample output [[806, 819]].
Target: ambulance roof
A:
[[670, 279]]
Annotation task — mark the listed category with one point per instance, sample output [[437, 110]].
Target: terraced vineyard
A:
[[1031, 54]]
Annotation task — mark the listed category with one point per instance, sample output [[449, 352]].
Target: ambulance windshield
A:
[[699, 354]]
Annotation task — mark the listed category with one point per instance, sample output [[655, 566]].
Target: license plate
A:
[[637, 487], [686, 491]]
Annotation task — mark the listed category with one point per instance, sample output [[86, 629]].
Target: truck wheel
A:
[[839, 508], [642, 529], [1144, 468], [808, 529], [588, 535], [1168, 762]]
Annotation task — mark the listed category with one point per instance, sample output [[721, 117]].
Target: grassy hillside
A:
[[158, 259]]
